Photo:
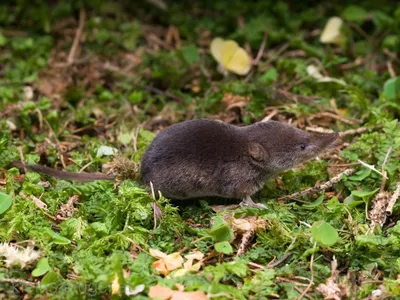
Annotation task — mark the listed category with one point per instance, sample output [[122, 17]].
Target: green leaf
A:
[[190, 54], [361, 175], [223, 247], [3, 39], [5, 202], [315, 203], [270, 76], [42, 267], [57, 239], [324, 234], [373, 240], [391, 88], [49, 278], [221, 232], [351, 201], [365, 195], [354, 13]]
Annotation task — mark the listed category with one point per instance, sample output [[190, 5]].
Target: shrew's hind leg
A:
[[249, 202]]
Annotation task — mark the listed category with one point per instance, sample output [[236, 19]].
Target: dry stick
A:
[[282, 259], [391, 71], [261, 50], [16, 280], [336, 117], [57, 143], [312, 275], [270, 116], [393, 200], [384, 173], [358, 130], [321, 187], [391, 55], [299, 290], [75, 44]]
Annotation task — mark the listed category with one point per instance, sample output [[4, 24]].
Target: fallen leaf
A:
[[199, 295], [160, 267], [332, 33], [167, 263], [161, 292], [315, 73], [230, 56], [115, 287], [157, 253]]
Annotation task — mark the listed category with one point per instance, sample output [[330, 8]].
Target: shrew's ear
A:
[[257, 152]]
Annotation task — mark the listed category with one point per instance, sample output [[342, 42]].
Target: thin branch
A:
[[312, 275], [16, 280], [384, 177], [392, 201], [262, 48], [372, 168], [75, 44], [336, 117], [282, 259], [319, 188]]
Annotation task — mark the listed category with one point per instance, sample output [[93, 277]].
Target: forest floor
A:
[[88, 88]]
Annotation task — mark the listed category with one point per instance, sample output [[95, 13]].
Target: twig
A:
[[371, 167], [75, 44], [312, 275], [57, 143], [299, 290], [321, 187], [282, 259], [343, 165], [358, 130], [390, 69], [336, 117], [391, 55], [134, 139], [270, 116], [384, 177], [261, 50], [16, 280], [392, 201]]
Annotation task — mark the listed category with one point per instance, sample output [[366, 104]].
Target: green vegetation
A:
[[77, 80]]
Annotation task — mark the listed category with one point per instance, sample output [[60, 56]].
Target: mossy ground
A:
[[79, 79]]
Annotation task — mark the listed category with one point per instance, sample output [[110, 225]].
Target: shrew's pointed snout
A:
[[325, 140]]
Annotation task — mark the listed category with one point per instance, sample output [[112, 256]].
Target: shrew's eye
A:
[[303, 146]]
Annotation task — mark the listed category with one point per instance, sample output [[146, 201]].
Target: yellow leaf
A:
[[115, 287], [332, 32], [240, 62], [228, 50], [230, 56], [215, 48]]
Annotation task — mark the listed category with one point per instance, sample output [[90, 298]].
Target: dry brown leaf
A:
[[161, 292], [173, 261], [166, 263], [160, 266], [39, 203], [199, 295], [168, 294], [157, 253]]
